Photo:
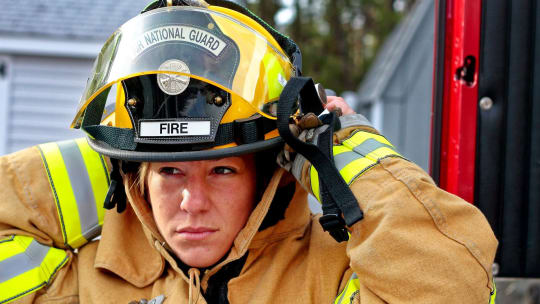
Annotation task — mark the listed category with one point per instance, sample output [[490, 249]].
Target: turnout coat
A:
[[416, 243]]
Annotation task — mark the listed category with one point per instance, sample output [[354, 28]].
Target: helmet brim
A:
[[139, 156]]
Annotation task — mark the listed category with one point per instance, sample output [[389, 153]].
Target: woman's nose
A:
[[195, 199]]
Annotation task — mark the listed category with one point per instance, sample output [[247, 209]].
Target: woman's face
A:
[[200, 206]]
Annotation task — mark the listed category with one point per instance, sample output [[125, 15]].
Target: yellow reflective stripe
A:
[[359, 137], [66, 204], [382, 153], [314, 178], [356, 168], [340, 149], [79, 180], [370, 149], [54, 260], [42, 262], [493, 294], [356, 155], [98, 173], [348, 293], [274, 76], [11, 246]]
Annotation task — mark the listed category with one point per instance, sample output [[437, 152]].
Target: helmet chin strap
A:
[[340, 207]]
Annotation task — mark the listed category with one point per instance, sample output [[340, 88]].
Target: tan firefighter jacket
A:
[[416, 243]]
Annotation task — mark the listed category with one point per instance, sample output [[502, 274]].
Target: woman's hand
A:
[[334, 102], [307, 128]]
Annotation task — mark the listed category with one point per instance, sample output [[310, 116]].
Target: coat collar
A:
[[132, 258]]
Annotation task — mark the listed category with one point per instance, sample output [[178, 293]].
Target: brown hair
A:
[[141, 177]]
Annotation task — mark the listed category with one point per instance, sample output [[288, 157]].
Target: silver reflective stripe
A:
[[370, 145], [82, 188], [18, 264], [341, 160]]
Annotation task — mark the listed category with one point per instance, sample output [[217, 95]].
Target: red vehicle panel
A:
[[460, 95]]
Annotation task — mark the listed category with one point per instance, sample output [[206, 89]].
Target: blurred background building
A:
[[396, 91], [47, 49], [378, 54]]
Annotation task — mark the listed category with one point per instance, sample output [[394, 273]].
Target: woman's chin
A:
[[199, 263], [199, 258]]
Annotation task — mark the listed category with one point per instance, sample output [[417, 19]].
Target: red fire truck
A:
[[485, 143]]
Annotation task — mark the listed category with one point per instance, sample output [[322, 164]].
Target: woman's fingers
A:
[[334, 102]]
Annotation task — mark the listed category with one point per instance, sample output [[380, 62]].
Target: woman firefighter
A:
[[192, 105]]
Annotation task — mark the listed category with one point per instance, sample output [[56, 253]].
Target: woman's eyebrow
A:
[[232, 158]]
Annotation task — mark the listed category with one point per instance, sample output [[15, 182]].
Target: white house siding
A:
[[399, 85], [5, 70], [43, 98], [407, 106]]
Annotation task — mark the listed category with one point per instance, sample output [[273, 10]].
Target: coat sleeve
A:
[[27, 204], [416, 242], [50, 206]]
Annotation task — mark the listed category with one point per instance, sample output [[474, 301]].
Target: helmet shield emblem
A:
[[173, 84]]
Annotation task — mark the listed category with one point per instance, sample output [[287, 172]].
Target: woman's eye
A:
[[223, 170], [169, 171]]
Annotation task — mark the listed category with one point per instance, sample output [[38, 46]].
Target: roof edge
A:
[[49, 47]]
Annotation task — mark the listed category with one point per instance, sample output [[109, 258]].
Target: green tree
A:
[[266, 9], [338, 38]]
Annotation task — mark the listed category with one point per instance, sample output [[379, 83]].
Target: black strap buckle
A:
[[116, 196], [335, 225]]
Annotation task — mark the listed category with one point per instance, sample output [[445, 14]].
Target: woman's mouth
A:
[[196, 233]]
